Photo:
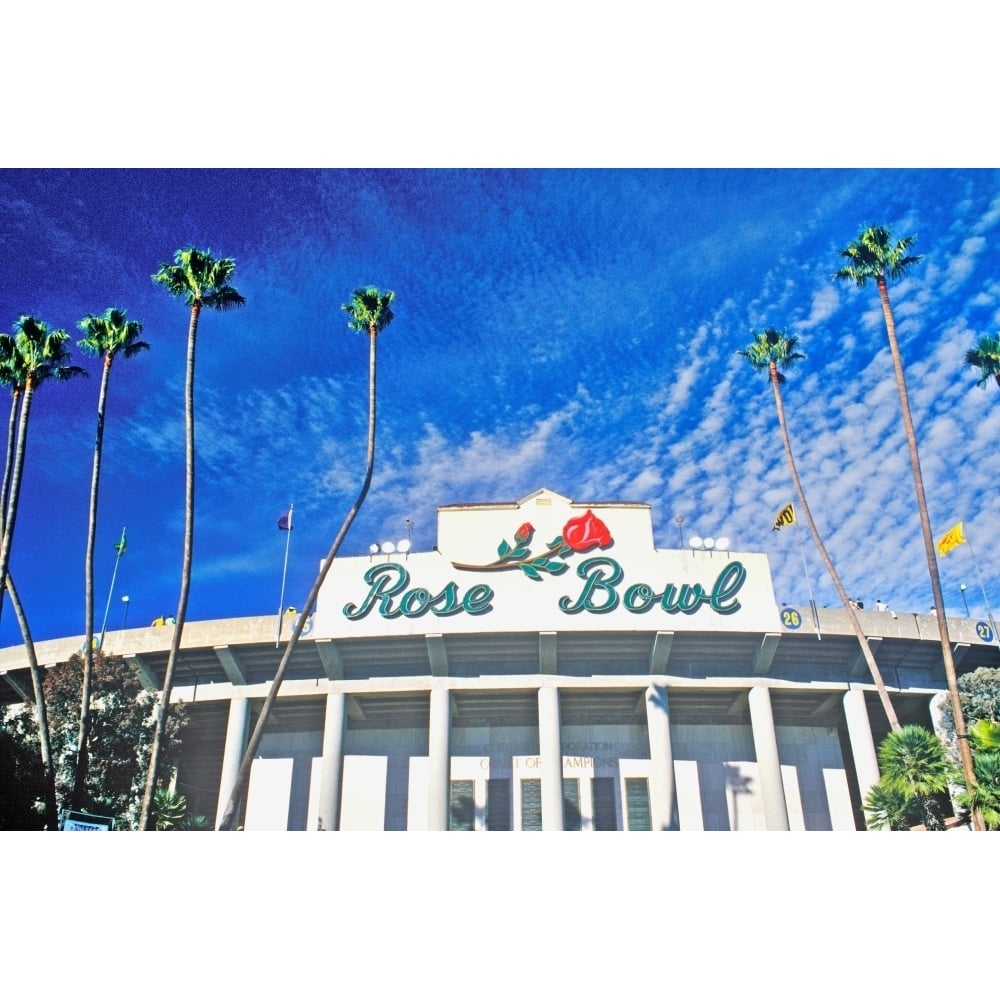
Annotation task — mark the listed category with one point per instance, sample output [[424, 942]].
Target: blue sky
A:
[[574, 329]]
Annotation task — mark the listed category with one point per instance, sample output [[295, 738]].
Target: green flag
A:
[[121, 546]]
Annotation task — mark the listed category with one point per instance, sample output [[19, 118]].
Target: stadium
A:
[[544, 667]]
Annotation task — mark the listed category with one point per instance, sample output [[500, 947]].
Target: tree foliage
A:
[[986, 795], [122, 723], [979, 693], [985, 357], [916, 769], [22, 780]]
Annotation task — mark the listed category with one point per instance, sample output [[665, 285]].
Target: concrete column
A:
[[333, 761], [232, 755], [550, 750], [439, 760], [859, 732], [765, 743], [662, 783]]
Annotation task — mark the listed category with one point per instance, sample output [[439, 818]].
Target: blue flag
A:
[[285, 521]]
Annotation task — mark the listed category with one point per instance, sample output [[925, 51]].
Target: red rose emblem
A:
[[524, 533], [583, 533]]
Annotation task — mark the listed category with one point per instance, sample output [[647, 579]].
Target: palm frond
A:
[[223, 299], [771, 346], [369, 309], [986, 357], [198, 277], [874, 255]]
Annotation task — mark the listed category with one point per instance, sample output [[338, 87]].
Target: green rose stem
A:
[[501, 564]]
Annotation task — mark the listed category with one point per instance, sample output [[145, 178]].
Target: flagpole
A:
[[805, 571], [989, 613], [284, 572], [119, 548]]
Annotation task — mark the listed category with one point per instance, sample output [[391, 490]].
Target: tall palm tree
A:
[[38, 354], [370, 312], [202, 281], [29, 358], [106, 336], [876, 256], [774, 351], [986, 357]]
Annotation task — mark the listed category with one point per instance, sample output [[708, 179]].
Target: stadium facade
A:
[[545, 667]]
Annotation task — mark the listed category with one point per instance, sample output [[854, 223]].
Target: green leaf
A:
[[530, 571], [503, 550]]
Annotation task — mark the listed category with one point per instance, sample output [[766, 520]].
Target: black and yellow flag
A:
[[785, 516]]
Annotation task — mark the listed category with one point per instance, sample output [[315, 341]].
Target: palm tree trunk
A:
[[7, 469], [159, 735], [20, 449], [41, 715], [962, 735], [243, 777], [82, 750], [9, 515], [827, 561], [9, 462]]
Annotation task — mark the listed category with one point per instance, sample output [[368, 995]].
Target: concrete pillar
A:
[[550, 750], [232, 755], [859, 732], [662, 782], [765, 743], [333, 761], [439, 760]]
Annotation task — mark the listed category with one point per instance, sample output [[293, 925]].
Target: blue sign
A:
[[984, 631], [790, 618]]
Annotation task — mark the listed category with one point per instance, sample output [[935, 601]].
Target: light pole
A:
[[961, 587], [125, 600]]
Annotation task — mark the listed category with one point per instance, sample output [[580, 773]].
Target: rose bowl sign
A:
[[554, 570]]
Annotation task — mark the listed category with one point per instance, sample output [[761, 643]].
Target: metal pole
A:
[[805, 571], [284, 571], [965, 601], [989, 613], [104, 625]]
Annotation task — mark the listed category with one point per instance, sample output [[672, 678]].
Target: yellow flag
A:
[[951, 539], [785, 516]]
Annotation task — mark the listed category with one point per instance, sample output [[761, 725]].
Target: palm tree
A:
[[38, 354], [107, 336], [985, 735], [773, 351], [985, 797], [886, 807], [370, 313], [33, 355], [202, 281], [915, 767], [986, 357], [876, 256], [41, 711]]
